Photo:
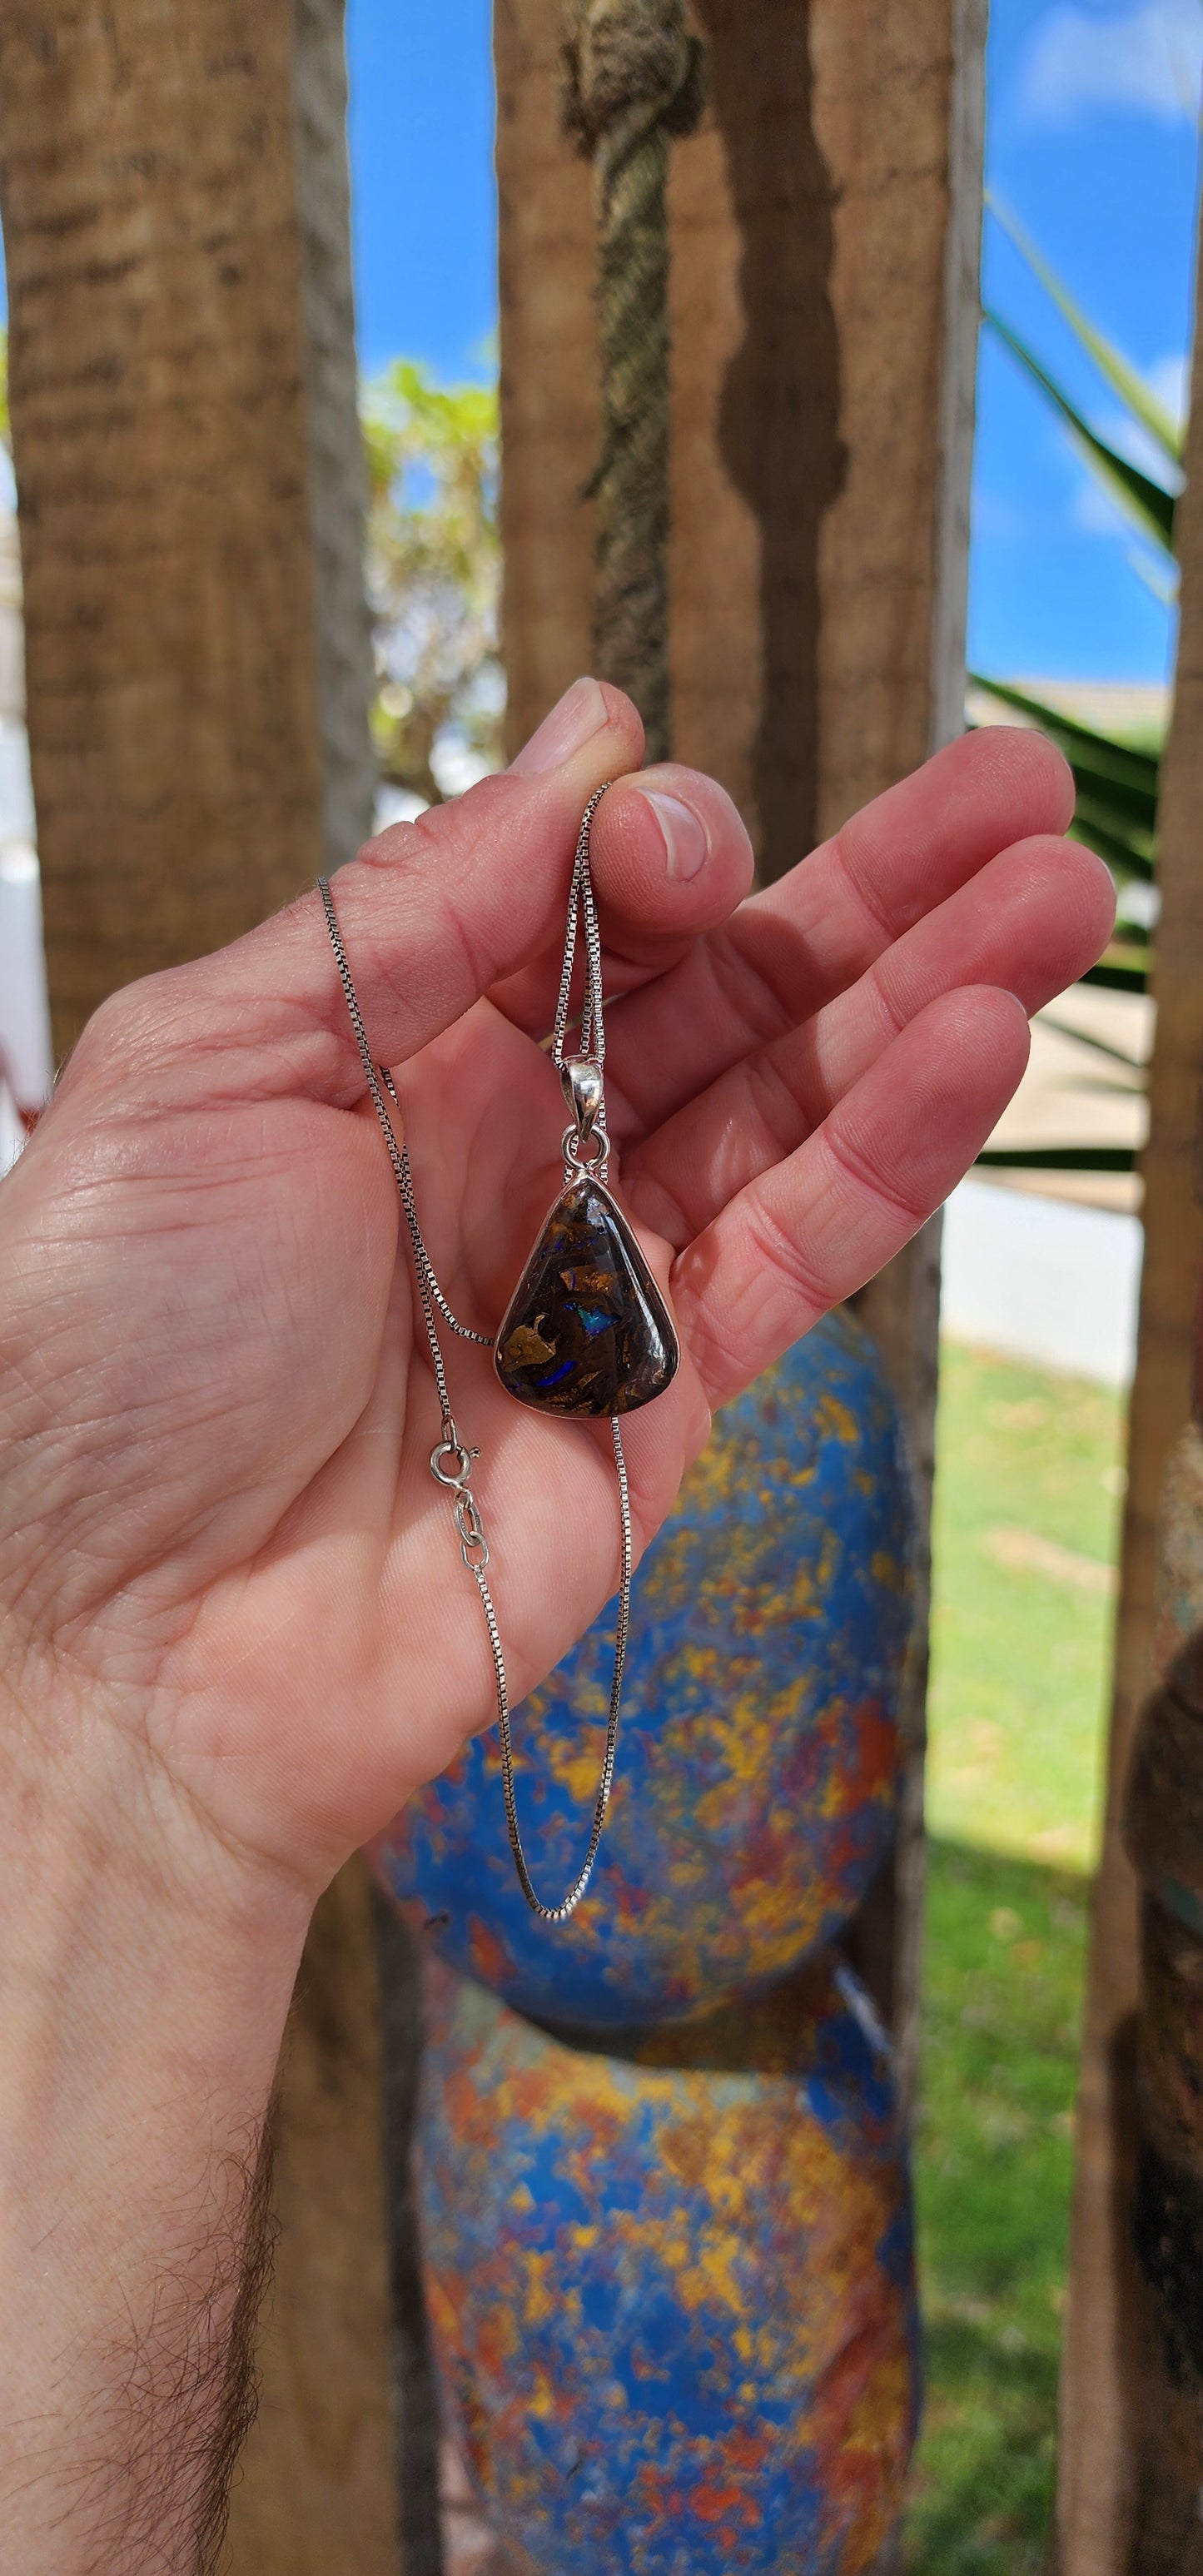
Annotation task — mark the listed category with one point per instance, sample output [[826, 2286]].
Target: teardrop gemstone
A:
[[586, 1330]]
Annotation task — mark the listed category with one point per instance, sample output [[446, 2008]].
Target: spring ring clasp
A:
[[451, 1446], [451, 1466]]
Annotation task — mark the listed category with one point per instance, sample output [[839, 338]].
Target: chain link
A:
[[580, 899], [451, 1462]]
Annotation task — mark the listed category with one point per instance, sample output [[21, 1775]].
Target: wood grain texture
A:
[[1105, 2356], [810, 301], [549, 368], [148, 191], [901, 1308], [316, 2494]]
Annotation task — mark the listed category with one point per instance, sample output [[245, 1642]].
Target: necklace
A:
[[586, 1333]]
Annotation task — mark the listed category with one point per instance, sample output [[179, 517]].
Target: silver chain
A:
[[580, 899], [451, 1462]]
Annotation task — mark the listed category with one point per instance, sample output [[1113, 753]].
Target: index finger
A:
[[793, 948], [436, 912]]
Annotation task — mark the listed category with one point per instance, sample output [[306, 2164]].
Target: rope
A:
[[633, 77]]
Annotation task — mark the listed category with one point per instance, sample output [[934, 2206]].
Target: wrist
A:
[[145, 1977], [93, 1815]]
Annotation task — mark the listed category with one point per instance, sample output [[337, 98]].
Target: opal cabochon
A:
[[586, 1332]]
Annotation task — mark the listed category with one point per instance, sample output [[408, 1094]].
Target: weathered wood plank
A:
[[316, 2493], [1104, 2368], [157, 370]]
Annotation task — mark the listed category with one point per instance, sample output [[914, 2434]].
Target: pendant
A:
[[586, 1333]]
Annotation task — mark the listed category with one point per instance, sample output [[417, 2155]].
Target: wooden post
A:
[[1105, 2363], [186, 450], [316, 2492], [823, 304], [161, 432]]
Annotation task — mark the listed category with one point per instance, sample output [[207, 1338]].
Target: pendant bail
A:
[[581, 1082]]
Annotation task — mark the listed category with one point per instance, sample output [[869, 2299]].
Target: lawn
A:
[[1026, 1514]]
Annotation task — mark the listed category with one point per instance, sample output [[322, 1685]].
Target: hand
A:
[[219, 1524]]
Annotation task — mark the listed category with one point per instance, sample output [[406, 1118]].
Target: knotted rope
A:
[[634, 76]]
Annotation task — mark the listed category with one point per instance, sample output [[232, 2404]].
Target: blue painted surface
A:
[[672, 2305], [757, 1765]]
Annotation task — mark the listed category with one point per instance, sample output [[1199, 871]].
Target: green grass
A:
[[1027, 1468], [1026, 1507], [1003, 1974]]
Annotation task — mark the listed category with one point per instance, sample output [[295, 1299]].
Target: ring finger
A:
[[1028, 923]]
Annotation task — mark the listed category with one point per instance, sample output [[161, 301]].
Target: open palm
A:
[[214, 1388]]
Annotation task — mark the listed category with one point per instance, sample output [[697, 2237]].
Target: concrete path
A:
[[1043, 1280]]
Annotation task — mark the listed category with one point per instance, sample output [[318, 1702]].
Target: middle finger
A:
[[1029, 923], [792, 949]]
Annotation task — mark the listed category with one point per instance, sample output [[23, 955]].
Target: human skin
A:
[[235, 1630]]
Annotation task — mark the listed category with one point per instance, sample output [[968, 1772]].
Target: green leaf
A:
[[1095, 832], [1114, 799], [1117, 979], [1147, 503], [1116, 782], [1159, 577], [1126, 763], [1060, 1158], [1124, 380], [1086, 1038]]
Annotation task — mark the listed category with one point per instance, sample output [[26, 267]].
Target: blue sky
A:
[[425, 208], [1092, 142]]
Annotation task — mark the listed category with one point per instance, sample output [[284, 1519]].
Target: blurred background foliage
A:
[[433, 569], [1116, 774]]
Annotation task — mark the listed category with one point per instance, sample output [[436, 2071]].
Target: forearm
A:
[[145, 1976]]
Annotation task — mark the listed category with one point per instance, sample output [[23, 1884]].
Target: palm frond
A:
[[1060, 1158], [1147, 503], [1086, 1038], [1115, 978], [1134, 392], [1130, 763], [1094, 828]]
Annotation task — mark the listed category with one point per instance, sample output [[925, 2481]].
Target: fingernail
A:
[[573, 721], [684, 839]]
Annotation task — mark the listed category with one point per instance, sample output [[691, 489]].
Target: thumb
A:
[[431, 913]]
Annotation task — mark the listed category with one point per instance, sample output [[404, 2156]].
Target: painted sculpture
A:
[[754, 1798], [671, 2304], [664, 2207]]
